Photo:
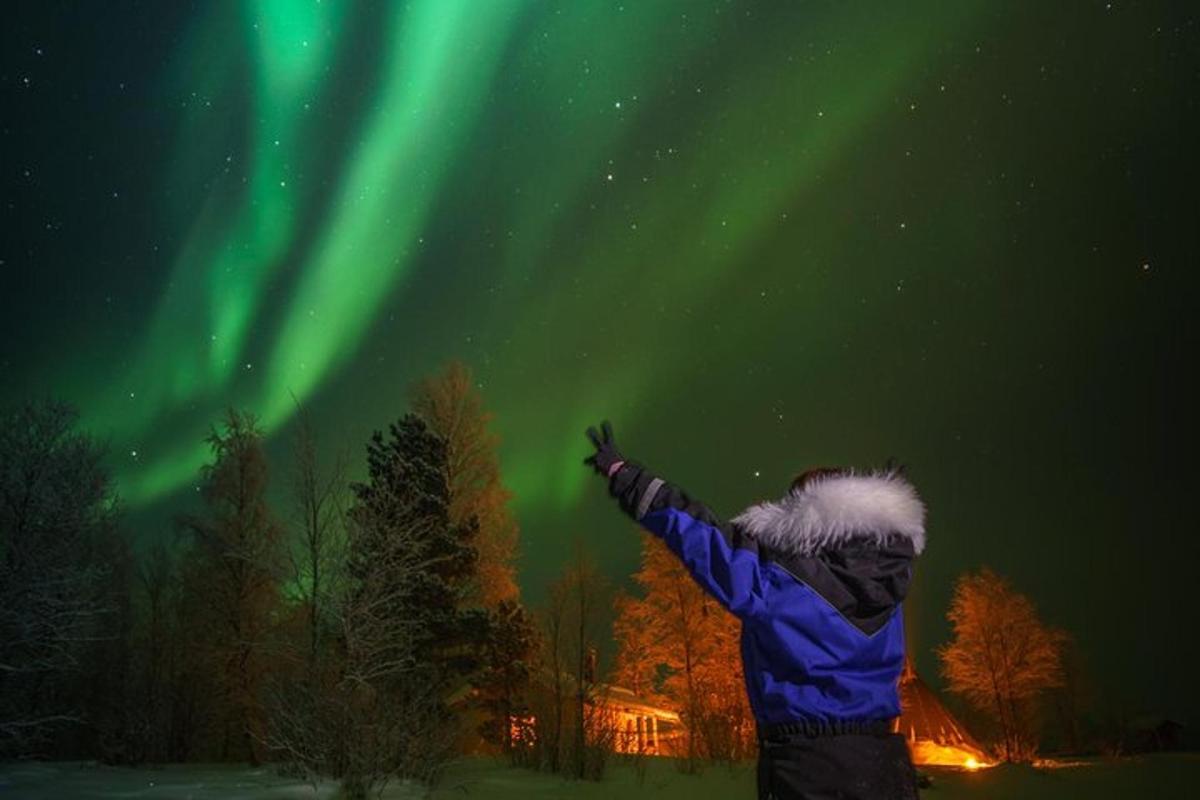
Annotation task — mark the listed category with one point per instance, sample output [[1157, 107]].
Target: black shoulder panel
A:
[[863, 581]]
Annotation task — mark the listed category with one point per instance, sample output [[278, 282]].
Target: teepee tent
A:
[[934, 736]]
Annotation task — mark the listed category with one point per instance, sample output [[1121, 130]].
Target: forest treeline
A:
[[369, 630], [363, 630]]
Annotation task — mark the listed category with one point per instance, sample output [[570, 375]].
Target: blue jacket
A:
[[817, 579]]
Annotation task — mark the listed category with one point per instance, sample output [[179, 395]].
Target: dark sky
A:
[[756, 236]]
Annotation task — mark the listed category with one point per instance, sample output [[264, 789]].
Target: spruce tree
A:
[[407, 635], [406, 498]]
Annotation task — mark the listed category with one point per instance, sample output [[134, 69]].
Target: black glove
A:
[[606, 449]]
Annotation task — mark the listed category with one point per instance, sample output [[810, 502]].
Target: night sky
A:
[[755, 236]]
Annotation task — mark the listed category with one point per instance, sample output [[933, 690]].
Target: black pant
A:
[[845, 766]]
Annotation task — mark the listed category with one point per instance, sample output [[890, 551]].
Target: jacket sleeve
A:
[[718, 555]]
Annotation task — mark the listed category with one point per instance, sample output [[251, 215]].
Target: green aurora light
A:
[[345, 245], [757, 236]]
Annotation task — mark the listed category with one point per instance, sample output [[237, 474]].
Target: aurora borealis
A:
[[756, 236]]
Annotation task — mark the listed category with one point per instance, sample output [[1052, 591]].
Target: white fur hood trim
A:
[[832, 510]]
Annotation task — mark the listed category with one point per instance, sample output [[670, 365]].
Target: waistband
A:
[[812, 729]]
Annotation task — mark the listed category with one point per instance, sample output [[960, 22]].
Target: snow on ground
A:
[[68, 781], [1162, 776]]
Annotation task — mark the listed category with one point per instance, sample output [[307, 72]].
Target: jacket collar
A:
[[830, 511]]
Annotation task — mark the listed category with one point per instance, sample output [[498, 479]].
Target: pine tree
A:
[[407, 639], [452, 406], [406, 498]]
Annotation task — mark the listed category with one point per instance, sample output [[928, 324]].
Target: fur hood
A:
[[835, 509]]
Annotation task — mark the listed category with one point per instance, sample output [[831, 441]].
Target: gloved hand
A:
[[606, 455]]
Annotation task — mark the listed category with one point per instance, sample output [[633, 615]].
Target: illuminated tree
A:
[[453, 408], [1002, 656], [451, 405], [677, 642]]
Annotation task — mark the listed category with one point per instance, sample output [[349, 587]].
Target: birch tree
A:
[[1002, 657]]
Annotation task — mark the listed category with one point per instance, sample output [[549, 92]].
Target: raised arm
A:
[[721, 559]]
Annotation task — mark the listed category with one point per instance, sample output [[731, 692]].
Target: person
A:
[[817, 579]]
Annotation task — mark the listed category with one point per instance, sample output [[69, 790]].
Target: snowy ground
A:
[[1165, 776]]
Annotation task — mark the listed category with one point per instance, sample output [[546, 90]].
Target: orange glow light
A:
[[928, 753]]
